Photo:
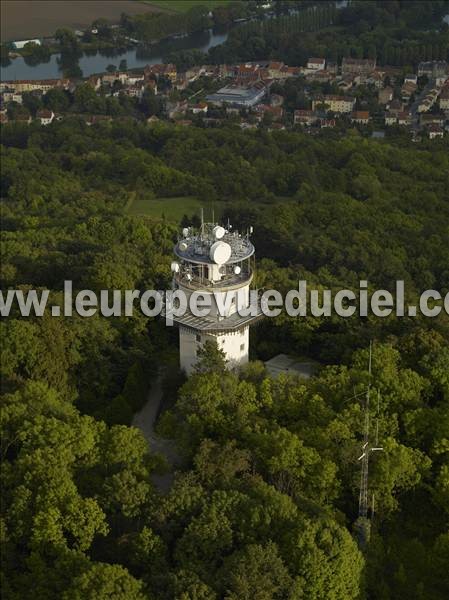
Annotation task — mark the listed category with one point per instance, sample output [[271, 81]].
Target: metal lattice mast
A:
[[363, 496], [363, 523]]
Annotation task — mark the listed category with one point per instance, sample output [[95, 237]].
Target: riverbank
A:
[[40, 18], [98, 62]]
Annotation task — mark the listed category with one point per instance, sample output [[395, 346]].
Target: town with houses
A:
[[356, 93]]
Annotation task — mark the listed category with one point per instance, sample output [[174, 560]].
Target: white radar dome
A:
[[174, 267], [219, 232], [220, 252]]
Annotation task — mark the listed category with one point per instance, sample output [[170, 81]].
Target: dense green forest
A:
[[394, 32], [264, 504]]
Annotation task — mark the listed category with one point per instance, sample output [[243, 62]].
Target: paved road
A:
[[145, 420], [414, 108]]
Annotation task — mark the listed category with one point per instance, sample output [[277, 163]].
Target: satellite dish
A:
[[189, 277], [237, 270], [174, 267], [185, 232], [219, 232], [220, 252], [251, 229], [183, 246]]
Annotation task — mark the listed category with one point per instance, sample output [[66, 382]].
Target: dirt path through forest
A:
[[145, 420]]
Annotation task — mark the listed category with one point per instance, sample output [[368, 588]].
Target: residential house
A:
[[327, 123], [358, 65], [200, 108], [360, 116], [11, 96], [247, 72], [277, 112], [320, 76], [45, 116], [431, 119], [161, 70], [390, 118], [411, 78], [404, 118], [134, 91], [316, 64], [94, 81], [332, 67], [336, 104], [424, 105], [304, 117], [429, 100], [275, 69], [287, 72], [135, 78], [346, 82], [376, 79], [28, 85], [433, 68], [111, 78], [435, 131], [394, 74], [443, 99], [407, 91], [385, 95], [176, 109], [440, 81], [395, 107]]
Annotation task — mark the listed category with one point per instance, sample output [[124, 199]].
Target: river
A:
[[97, 63], [135, 58]]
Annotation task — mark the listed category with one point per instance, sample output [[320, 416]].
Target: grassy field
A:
[[183, 5], [174, 208]]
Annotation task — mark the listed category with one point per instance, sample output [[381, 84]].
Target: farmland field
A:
[[23, 19], [174, 208], [184, 5]]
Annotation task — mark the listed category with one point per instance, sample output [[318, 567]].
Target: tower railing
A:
[[196, 282]]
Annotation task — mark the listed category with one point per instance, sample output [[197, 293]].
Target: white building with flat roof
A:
[[239, 95], [19, 44]]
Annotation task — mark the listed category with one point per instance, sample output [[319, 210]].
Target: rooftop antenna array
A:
[[363, 524]]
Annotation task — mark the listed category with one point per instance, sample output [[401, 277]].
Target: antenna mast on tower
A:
[[363, 524]]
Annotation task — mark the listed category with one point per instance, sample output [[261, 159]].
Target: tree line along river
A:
[[98, 62]]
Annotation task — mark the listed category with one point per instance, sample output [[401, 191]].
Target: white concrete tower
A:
[[214, 263]]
